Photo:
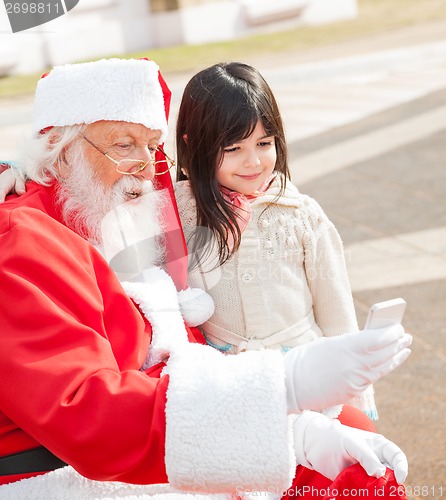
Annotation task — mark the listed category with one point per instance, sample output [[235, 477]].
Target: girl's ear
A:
[[185, 138]]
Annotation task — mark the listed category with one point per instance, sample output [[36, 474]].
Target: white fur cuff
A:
[[67, 484], [219, 439], [158, 300]]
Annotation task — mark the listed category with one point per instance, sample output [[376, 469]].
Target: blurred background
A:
[[362, 88], [96, 28]]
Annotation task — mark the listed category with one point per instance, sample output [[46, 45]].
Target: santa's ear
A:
[[53, 137]]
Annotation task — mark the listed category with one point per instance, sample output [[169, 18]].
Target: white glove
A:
[[330, 371], [10, 183], [329, 447]]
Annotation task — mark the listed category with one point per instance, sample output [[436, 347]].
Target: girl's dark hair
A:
[[221, 106]]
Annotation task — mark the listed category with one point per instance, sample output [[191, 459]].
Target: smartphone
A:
[[387, 313]]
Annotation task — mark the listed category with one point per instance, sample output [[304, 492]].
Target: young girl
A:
[[267, 254]]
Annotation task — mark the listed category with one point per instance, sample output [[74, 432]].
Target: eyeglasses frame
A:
[[142, 165]]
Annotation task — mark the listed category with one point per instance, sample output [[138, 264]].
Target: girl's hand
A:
[[10, 183]]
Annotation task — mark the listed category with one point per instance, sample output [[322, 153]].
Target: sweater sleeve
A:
[[326, 272], [328, 280]]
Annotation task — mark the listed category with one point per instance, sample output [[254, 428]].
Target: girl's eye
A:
[[231, 149], [266, 143]]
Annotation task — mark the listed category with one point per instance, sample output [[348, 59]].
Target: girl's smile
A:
[[252, 177]]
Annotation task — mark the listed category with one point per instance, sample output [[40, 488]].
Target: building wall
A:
[[101, 28], [94, 28]]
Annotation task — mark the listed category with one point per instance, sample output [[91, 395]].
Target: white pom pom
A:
[[196, 306]]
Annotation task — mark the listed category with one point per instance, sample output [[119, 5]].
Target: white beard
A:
[[124, 219]]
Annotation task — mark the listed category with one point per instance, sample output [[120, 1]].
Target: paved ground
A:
[[390, 209], [366, 124], [367, 139]]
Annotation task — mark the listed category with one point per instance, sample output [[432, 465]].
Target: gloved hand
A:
[[330, 371], [10, 183], [329, 447]]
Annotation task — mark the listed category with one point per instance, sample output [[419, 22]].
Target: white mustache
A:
[[132, 187]]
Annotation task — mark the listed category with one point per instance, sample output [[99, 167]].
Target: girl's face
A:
[[247, 164]]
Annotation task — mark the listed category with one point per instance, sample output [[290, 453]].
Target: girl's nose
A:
[[251, 159]]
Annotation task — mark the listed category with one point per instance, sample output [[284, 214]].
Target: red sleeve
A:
[[71, 346]]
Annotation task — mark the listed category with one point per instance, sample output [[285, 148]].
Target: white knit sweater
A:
[[285, 286]]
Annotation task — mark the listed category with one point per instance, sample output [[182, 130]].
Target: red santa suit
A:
[[72, 346]]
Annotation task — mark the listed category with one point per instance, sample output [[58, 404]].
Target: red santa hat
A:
[[110, 89]]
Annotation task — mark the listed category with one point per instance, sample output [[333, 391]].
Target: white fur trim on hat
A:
[[110, 89]]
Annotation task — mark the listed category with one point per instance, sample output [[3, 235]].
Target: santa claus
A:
[[106, 392]]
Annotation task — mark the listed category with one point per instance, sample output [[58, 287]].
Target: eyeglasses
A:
[[129, 166]]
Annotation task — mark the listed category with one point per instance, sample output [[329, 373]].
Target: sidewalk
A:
[[411, 36], [326, 87], [366, 136], [388, 203]]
